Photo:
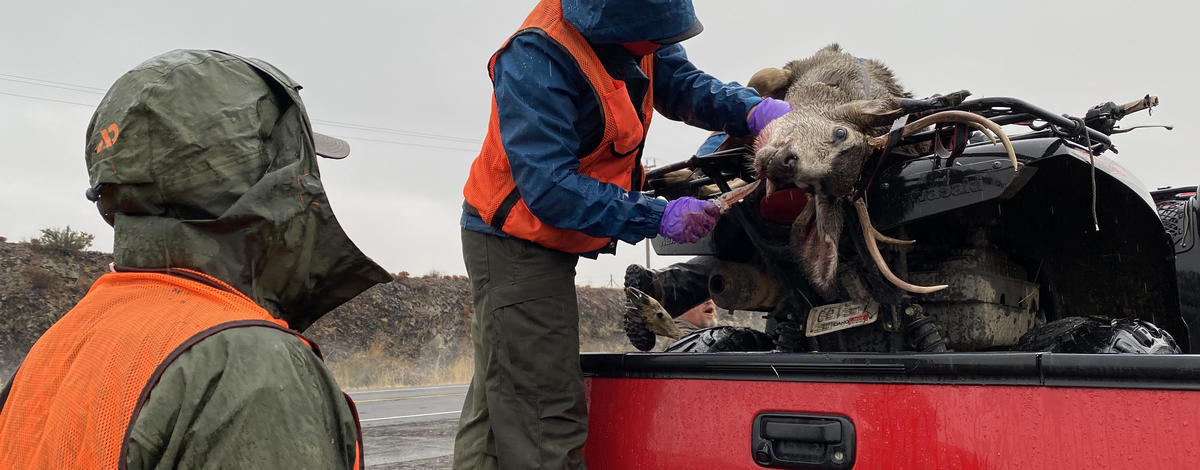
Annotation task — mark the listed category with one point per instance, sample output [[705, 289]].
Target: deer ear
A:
[[866, 114], [770, 83]]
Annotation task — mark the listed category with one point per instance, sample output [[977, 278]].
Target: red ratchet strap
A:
[[893, 139], [951, 148]]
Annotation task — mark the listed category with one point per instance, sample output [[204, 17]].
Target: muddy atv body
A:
[[1019, 249], [1001, 370]]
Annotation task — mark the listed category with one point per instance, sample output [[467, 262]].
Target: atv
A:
[[1069, 254]]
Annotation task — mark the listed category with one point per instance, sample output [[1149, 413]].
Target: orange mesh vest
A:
[[77, 394], [490, 189]]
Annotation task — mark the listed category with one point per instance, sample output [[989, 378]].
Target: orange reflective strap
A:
[[358, 451]]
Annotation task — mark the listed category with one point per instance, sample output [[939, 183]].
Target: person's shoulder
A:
[[254, 339], [671, 53], [532, 63], [254, 380], [529, 47], [247, 360], [255, 349]]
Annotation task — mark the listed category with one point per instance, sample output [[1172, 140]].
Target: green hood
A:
[[206, 160]]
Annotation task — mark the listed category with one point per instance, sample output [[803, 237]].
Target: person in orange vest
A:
[[558, 177], [188, 354]]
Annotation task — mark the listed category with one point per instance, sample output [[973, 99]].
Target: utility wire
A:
[[51, 86], [48, 99], [88, 89], [410, 144], [348, 125], [424, 135]]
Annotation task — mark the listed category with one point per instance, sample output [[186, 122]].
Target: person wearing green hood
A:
[[189, 354]]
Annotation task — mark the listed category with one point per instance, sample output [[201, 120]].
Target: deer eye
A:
[[840, 134]]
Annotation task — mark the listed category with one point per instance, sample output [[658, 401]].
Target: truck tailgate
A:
[[954, 411]]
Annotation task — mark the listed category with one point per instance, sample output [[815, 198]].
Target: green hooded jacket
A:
[[207, 161]]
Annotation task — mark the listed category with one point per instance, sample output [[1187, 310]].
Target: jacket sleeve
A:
[[712, 143], [249, 397], [683, 92], [541, 96]]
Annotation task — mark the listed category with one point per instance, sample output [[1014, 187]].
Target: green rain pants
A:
[[525, 408]]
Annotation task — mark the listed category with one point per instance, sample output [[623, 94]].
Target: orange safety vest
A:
[[73, 402], [490, 190]]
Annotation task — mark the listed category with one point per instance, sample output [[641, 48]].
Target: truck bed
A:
[[892, 411]]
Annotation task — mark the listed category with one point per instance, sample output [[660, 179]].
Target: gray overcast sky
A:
[[419, 68]]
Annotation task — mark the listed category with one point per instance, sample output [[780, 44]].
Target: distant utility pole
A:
[[647, 253], [653, 163]]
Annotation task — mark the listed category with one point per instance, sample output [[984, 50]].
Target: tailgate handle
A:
[[824, 433], [803, 440]]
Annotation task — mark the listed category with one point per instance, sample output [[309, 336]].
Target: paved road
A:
[[409, 428]]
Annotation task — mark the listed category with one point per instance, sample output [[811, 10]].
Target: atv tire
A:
[[646, 281], [723, 339], [635, 329], [1099, 335]]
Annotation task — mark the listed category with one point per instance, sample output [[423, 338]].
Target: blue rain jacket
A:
[[549, 116]]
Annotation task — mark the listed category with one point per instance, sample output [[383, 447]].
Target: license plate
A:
[[837, 317]]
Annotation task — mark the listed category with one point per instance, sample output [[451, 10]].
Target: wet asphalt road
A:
[[409, 428]]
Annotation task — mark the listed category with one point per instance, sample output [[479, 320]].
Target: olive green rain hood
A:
[[206, 161]]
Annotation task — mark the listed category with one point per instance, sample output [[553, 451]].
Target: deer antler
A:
[[953, 116], [872, 236]]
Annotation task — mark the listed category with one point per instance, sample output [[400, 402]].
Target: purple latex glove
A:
[[687, 219], [765, 112]]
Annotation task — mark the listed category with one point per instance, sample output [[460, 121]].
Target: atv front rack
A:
[[1092, 131], [1098, 122]]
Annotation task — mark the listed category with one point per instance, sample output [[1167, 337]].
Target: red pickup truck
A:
[[1071, 237], [892, 411]]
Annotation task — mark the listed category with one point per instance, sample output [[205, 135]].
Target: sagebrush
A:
[[64, 239]]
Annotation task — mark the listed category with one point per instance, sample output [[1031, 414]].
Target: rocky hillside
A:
[[36, 287], [414, 330]]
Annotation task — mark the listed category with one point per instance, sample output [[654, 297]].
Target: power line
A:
[[28, 82], [349, 138], [48, 99], [348, 125], [424, 135], [91, 89], [406, 143]]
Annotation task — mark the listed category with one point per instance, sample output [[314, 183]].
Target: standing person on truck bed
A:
[[188, 354], [558, 177]]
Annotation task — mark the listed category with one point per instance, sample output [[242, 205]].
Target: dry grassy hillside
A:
[[411, 331], [416, 330]]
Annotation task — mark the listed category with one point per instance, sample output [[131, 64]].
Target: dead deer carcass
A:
[[842, 107]]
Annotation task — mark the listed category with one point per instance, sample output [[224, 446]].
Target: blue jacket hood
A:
[[618, 21]]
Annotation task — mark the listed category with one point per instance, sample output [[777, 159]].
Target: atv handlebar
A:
[[717, 168], [1005, 110], [1099, 123], [1146, 102]]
